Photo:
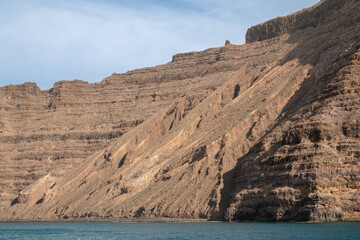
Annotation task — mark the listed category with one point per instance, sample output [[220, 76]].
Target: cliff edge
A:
[[306, 18]]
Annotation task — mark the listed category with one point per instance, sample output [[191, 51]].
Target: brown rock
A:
[[264, 131]]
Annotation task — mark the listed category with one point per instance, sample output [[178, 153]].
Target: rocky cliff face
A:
[[307, 18], [268, 130], [59, 128], [55, 130]]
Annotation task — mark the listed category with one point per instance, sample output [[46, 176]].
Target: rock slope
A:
[[275, 137], [54, 130]]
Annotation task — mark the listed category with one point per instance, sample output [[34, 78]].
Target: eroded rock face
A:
[[264, 131], [307, 167], [57, 129], [307, 18]]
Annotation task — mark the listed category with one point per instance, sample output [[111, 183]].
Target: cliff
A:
[[307, 18], [56, 129], [268, 130]]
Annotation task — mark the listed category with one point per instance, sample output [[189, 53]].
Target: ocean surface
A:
[[226, 231]]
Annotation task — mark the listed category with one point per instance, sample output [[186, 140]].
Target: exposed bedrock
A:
[[266, 131]]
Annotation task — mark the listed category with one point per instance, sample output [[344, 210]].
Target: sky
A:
[[45, 41]]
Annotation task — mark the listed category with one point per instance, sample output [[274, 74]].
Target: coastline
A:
[[165, 220], [119, 220]]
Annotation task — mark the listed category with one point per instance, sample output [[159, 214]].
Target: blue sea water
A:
[[175, 231]]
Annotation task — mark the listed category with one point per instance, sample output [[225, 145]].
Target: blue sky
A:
[[45, 41]]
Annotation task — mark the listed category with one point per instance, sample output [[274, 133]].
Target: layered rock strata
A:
[[55, 130], [278, 139]]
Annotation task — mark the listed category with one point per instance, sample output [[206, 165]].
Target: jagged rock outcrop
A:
[[275, 137], [307, 18]]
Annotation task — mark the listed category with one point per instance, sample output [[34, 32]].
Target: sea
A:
[[208, 230]]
